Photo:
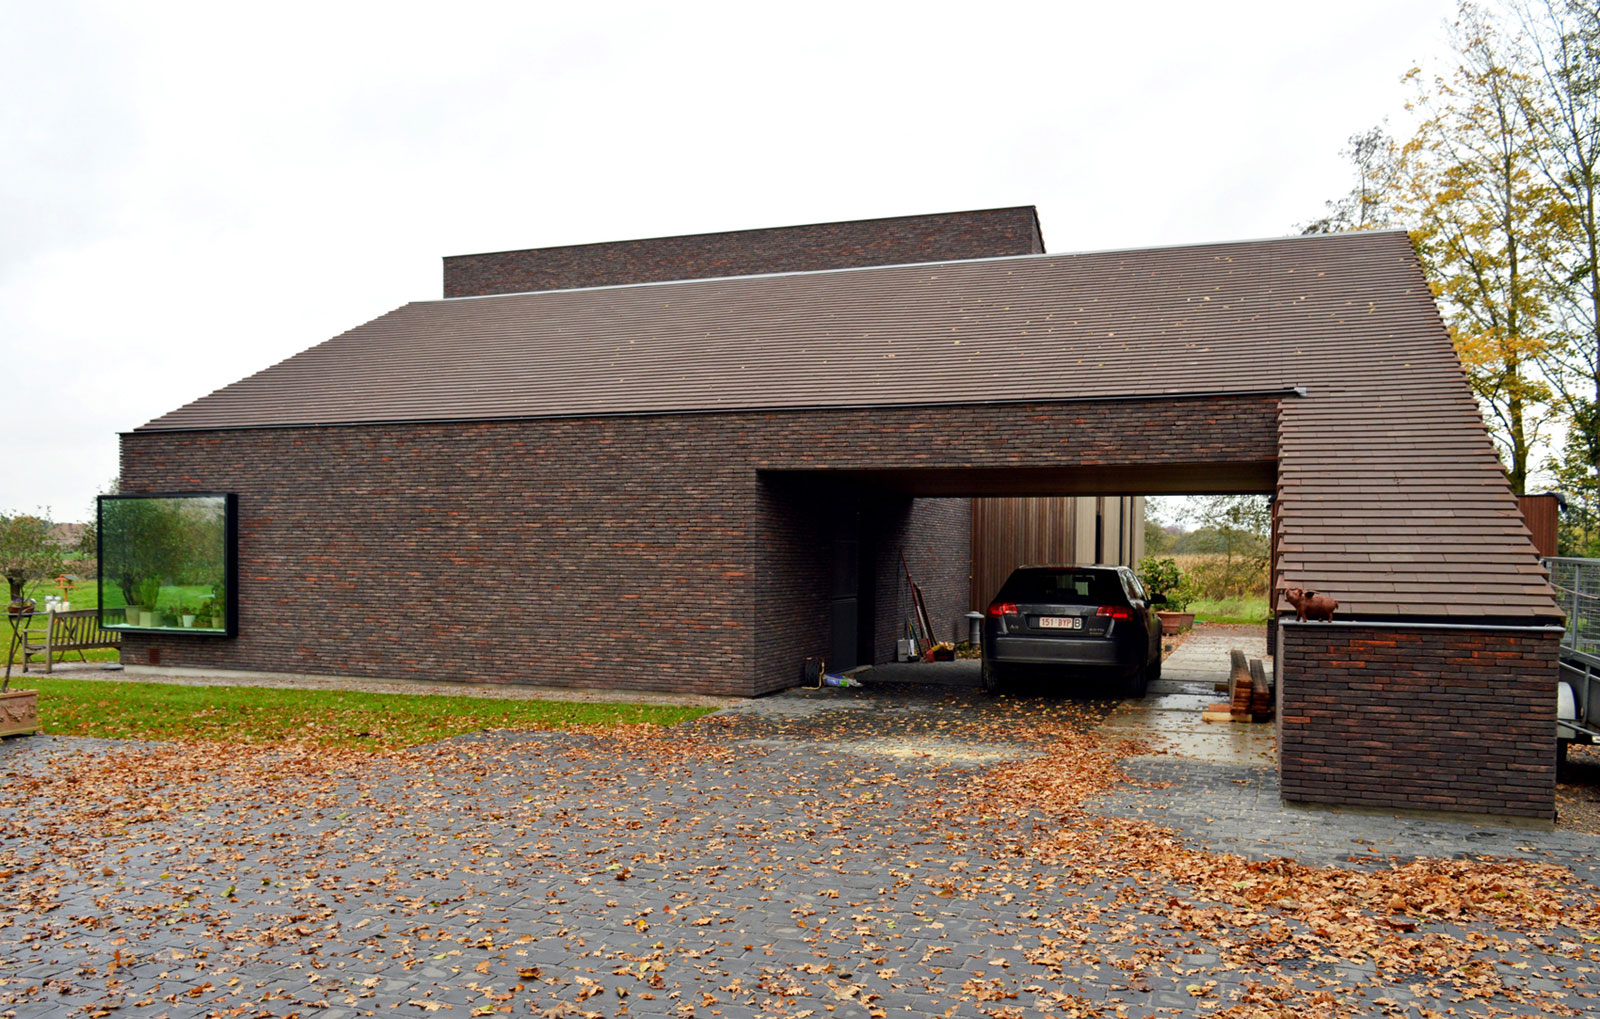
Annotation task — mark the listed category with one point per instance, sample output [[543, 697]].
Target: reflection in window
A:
[[164, 563]]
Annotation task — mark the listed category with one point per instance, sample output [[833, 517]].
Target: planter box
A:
[[1175, 622], [19, 712]]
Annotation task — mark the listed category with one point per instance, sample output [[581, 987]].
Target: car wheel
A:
[[991, 677], [1136, 685], [1154, 672]]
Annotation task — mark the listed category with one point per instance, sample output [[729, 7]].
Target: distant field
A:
[[1202, 568], [1232, 610]]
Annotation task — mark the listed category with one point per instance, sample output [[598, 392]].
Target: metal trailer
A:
[[1577, 585]]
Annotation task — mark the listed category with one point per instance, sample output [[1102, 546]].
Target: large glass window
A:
[[167, 563]]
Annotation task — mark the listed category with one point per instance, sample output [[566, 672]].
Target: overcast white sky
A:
[[191, 192]]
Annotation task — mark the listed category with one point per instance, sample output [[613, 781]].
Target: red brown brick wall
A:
[[793, 580], [939, 549], [1417, 717], [948, 236], [540, 552], [635, 553], [936, 536]]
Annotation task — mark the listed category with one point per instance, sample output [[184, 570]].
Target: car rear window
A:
[[1063, 587]]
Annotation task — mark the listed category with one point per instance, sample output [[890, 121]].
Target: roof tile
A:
[[1385, 464]]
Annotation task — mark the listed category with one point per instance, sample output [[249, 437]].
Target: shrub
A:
[[1162, 577]]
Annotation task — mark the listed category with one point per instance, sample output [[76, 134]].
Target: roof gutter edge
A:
[[1124, 398]]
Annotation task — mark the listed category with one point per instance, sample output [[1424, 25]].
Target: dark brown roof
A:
[[1391, 497], [948, 236]]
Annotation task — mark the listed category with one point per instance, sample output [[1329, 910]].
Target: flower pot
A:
[[188, 621], [1175, 622], [149, 619], [19, 712], [130, 615]]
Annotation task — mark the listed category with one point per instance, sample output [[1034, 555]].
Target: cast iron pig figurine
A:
[[1310, 604]]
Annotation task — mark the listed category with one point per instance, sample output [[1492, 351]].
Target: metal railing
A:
[[1577, 584]]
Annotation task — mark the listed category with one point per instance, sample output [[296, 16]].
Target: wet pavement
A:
[[820, 853], [1169, 715]]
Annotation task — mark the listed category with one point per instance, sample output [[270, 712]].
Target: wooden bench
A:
[[63, 633]]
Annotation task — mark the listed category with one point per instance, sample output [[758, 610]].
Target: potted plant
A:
[[19, 710], [1169, 588], [149, 593], [187, 614], [208, 616]]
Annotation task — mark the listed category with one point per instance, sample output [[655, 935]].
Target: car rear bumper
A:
[[1083, 654]]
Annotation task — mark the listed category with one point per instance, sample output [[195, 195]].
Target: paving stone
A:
[[743, 846]]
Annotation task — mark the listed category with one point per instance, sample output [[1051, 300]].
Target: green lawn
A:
[[85, 594], [158, 711], [1230, 610], [82, 594]]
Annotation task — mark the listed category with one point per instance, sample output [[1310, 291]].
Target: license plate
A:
[[1061, 622]]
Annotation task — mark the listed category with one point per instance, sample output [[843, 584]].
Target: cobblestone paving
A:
[[1235, 809], [808, 854]]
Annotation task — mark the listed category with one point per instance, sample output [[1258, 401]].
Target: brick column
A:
[[1422, 717]]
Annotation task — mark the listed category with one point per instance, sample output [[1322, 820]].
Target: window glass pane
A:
[[1138, 588], [164, 563], [1062, 587], [1130, 584]]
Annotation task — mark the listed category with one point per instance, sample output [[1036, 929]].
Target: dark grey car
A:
[[1085, 622]]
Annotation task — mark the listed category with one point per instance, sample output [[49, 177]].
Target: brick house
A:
[[691, 463]]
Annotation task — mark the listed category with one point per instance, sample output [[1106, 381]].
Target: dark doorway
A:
[[845, 606]]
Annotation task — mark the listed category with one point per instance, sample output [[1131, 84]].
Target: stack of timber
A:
[[1249, 694]]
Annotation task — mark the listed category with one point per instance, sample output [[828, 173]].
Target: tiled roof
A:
[[1391, 497]]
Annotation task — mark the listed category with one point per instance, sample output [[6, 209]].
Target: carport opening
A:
[[864, 538]]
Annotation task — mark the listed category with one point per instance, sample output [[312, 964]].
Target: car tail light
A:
[[1114, 612], [1002, 608]]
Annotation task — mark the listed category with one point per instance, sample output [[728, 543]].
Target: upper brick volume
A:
[[897, 240]]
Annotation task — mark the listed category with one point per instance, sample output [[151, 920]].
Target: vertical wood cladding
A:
[[677, 552], [1433, 719], [1542, 515], [1037, 530], [898, 240]]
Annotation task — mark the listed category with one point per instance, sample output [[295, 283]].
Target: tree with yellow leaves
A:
[[1563, 38], [1470, 182]]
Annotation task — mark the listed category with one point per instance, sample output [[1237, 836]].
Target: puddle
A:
[[920, 750], [933, 750]]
